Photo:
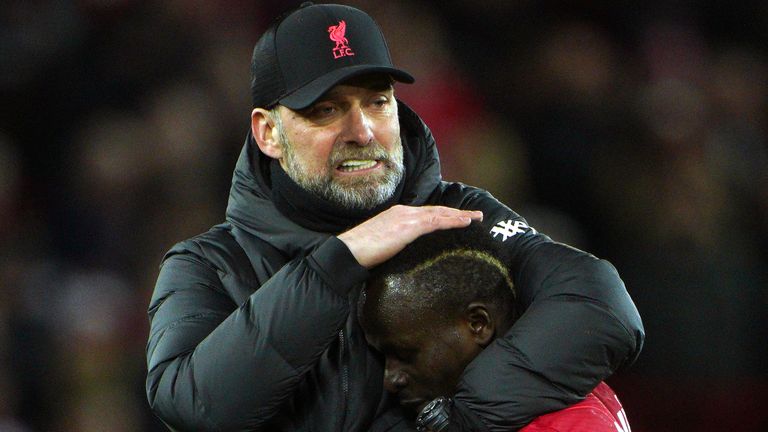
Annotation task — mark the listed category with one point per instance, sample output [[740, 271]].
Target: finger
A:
[[476, 215], [441, 222], [470, 215], [460, 221], [448, 211]]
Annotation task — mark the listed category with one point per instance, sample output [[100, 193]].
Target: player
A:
[[437, 305]]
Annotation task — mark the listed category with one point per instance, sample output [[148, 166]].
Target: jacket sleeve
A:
[[578, 326], [213, 365]]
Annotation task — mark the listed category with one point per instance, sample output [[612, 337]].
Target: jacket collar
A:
[[252, 209]]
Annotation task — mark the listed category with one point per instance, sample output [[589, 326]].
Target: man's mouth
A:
[[352, 165]]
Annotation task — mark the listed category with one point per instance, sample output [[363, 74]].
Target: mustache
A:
[[373, 151]]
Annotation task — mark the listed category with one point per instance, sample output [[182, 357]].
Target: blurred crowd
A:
[[635, 130]]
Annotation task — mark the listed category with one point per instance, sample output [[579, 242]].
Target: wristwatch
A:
[[434, 416]]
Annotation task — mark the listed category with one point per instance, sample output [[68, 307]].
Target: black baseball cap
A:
[[311, 49]]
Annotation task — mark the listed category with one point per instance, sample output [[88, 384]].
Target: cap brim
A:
[[306, 95]]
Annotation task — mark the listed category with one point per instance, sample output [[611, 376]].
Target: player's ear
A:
[[480, 323], [265, 133]]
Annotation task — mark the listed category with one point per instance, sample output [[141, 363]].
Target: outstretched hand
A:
[[384, 235]]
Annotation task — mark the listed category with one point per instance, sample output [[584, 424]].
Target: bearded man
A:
[[250, 322]]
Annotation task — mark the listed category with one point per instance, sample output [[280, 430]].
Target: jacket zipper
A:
[[344, 378]]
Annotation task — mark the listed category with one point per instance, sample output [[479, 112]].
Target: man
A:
[[433, 308], [250, 322]]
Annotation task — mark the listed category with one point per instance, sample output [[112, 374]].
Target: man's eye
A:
[[381, 102], [325, 110], [320, 111]]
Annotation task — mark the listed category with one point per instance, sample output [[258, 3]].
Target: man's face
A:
[[346, 147], [424, 357]]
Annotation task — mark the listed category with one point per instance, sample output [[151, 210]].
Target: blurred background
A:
[[634, 130]]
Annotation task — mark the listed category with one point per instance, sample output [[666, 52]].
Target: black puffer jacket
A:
[[251, 323]]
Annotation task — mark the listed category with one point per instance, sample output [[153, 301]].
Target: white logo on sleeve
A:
[[508, 229], [624, 426]]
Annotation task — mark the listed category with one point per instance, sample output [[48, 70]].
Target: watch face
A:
[[434, 416], [430, 407]]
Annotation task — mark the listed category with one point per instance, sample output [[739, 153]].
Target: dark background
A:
[[634, 130]]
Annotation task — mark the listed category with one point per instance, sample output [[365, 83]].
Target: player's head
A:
[[433, 308], [324, 106]]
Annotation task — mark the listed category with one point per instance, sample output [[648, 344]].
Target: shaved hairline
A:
[[464, 253]]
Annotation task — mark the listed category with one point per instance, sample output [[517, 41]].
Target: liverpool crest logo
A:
[[336, 33]]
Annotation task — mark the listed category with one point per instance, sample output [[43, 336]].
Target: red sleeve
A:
[[600, 411]]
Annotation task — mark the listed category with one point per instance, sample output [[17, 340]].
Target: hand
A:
[[384, 235]]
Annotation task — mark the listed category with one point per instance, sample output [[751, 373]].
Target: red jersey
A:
[[600, 411]]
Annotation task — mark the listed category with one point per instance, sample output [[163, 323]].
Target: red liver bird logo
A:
[[337, 34]]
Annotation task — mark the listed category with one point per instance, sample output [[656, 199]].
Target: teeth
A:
[[356, 165]]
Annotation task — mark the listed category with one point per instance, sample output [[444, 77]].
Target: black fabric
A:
[[300, 57], [252, 326], [462, 419]]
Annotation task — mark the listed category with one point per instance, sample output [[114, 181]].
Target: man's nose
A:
[[358, 127], [394, 379]]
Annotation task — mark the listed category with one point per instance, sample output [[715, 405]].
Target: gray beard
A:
[[363, 194]]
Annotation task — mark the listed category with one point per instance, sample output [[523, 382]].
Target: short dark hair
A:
[[440, 273]]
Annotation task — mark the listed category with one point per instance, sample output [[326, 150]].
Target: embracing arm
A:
[[216, 366], [578, 327]]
